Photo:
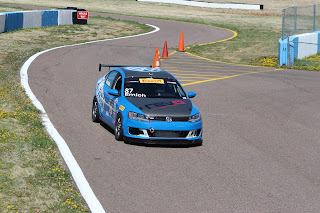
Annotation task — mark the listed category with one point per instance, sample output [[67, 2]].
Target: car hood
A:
[[163, 106]]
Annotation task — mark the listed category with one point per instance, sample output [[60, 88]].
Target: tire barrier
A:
[[298, 47], [11, 21]]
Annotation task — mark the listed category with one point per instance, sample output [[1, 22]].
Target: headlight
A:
[[138, 116], [195, 118]]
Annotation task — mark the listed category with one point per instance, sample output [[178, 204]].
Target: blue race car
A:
[[146, 105]]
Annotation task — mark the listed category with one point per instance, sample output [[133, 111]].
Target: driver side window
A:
[[110, 78], [118, 83]]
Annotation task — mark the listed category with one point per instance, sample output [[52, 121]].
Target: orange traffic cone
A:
[[181, 44], [165, 50], [156, 62]]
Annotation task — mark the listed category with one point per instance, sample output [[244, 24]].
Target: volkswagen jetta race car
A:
[[146, 105]]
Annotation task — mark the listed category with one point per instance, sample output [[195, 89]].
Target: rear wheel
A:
[[95, 111], [118, 130]]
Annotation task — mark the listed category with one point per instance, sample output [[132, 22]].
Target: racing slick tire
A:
[[118, 132], [95, 111]]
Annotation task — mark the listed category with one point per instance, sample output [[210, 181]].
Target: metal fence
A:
[[305, 49], [298, 20]]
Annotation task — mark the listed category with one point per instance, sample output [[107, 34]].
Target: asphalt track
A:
[[261, 130]]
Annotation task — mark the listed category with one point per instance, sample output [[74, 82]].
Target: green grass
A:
[[308, 63], [250, 43], [33, 177]]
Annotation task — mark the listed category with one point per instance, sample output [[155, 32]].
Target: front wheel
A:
[[95, 111], [118, 130]]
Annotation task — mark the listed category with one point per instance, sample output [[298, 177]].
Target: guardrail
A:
[[11, 21]]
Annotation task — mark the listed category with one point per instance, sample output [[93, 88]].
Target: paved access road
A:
[[261, 130]]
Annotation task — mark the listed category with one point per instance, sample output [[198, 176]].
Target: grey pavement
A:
[[261, 130]]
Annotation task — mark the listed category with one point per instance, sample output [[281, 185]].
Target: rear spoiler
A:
[[117, 65]]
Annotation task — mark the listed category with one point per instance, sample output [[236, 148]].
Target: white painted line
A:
[[210, 4], [77, 174]]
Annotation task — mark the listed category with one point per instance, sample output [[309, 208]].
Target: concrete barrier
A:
[[10, 21], [2, 22], [65, 17], [210, 4], [32, 19], [300, 46], [307, 45], [49, 18], [283, 51], [14, 21]]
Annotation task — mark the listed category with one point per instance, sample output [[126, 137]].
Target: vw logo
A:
[[169, 119]]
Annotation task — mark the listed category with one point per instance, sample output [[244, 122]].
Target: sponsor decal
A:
[[171, 82], [110, 106], [121, 107], [162, 105], [151, 81], [114, 109], [115, 102], [128, 92]]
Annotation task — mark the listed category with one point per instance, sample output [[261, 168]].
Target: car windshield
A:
[[153, 88]]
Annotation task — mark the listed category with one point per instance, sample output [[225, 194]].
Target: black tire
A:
[[118, 130], [95, 111]]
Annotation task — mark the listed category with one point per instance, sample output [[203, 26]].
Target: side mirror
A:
[[192, 94], [114, 92]]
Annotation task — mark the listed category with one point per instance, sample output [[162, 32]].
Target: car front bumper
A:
[[158, 132], [164, 142]]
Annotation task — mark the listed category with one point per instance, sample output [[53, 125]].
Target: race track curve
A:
[[261, 133]]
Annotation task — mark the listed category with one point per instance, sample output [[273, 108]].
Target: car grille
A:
[[168, 134], [174, 119]]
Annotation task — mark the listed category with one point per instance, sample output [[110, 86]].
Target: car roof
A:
[[145, 72]]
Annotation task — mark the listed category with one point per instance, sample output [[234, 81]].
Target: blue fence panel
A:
[[318, 32], [49, 18], [14, 21], [283, 51]]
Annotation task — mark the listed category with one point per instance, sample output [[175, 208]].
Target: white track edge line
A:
[[76, 172]]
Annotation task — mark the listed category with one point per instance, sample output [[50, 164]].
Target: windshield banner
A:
[[151, 81]]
